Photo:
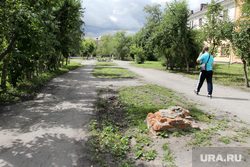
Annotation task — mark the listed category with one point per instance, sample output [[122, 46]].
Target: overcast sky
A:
[[109, 16]]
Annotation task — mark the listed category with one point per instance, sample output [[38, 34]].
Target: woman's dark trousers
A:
[[208, 75]]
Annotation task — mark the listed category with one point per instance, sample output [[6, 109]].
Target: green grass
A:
[[71, 66], [140, 152], [200, 115], [232, 75], [150, 64], [112, 72], [168, 157], [178, 133], [106, 64], [225, 139], [202, 138], [28, 88], [141, 100], [81, 59], [224, 74]]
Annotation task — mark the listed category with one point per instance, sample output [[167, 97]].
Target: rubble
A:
[[174, 118]]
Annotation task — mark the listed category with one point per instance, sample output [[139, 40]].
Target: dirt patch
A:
[[109, 107], [109, 113]]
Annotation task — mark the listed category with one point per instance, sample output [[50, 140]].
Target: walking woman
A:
[[207, 74]]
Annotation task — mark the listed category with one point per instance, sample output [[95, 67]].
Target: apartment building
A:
[[232, 10]]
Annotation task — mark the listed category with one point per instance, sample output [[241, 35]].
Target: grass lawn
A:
[[150, 64], [111, 72], [103, 70], [106, 64], [224, 74]]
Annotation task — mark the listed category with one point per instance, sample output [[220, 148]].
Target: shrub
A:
[[139, 54]]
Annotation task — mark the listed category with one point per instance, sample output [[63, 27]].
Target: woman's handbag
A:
[[204, 65]]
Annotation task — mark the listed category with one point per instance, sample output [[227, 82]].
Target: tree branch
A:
[[8, 49], [61, 14]]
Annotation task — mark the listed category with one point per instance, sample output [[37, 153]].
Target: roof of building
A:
[[203, 6]]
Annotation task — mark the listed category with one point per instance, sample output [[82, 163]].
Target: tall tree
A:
[[104, 46], [121, 45], [215, 28], [89, 46], [178, 13], [143, 37], [241, 36], [172, 39], [69, 16]]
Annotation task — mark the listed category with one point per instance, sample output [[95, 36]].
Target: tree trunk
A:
[[166, 56], [8, 49], [4, 73], [186, 55], [41, 66], [171, 62], [212, 50], [62, 61], [28, 75], [69, 60], [36, 68], [245, 72], [59, 60], [48, 64], [213, 43]]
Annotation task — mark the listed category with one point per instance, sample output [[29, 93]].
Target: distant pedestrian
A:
[[207, 74]]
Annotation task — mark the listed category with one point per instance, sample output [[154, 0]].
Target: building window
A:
[[223, 51], [191, 24], [200, 22], [225, 14]]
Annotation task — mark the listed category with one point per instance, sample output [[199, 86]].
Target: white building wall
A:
[[228, 5], [231, 14]]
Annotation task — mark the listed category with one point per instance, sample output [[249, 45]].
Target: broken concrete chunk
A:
[[175, 118]]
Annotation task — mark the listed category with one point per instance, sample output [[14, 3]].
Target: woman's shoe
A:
[[209, 95]]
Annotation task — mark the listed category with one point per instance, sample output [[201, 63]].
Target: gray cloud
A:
[[109, 16]]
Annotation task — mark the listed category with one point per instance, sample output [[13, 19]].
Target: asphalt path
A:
[[52, 129], [226, 100]]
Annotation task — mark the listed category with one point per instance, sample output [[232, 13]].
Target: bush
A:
[[139, 54], [140, 59], [163, 61]]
